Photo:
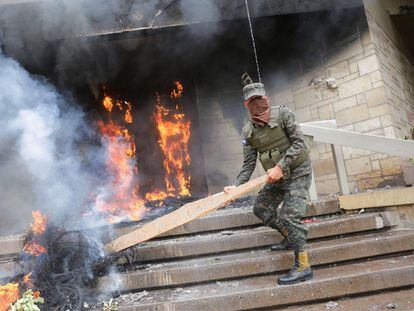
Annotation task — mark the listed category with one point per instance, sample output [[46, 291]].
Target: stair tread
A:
[[402, 299], [231, 240], [235, 217], [242, 264], [263, 291]]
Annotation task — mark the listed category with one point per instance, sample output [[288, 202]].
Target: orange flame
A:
[[39, 223], [121, 150], [9, 294], [27, 281], [174, 134], [107, 103], [34, 248], [38, 227], [156, 195], [178, 91]]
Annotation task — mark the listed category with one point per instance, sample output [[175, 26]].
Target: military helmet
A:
[[250, 88]]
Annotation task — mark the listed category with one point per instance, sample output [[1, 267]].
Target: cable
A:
[[253, 41]]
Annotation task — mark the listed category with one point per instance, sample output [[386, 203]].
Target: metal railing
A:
[[327, 132]]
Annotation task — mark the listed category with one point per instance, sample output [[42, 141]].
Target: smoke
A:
[[47, 161], [56, 33]]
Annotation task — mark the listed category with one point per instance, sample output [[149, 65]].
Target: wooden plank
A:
[[391, 197], [183, 215]]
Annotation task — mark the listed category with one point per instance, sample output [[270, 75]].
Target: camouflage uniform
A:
[[292, 189]]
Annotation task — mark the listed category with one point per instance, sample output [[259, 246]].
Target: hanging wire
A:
[[253, 42]]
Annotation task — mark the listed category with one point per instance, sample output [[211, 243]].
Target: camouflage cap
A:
[[253, 89]]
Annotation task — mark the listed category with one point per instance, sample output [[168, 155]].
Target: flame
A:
[[156, 195], [128, 115], [34, 248], [174, 134], [27, 281], [178, 91], [121, 151], [107, 103], [9, 294], [38, 226]]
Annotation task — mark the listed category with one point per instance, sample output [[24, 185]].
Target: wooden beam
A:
[[382, 198], [183, 215]]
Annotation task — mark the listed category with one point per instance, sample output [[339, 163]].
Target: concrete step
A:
[[235, 240], [262, 292], [225, 218], [398, 300], [228, 218], [11, 245], [215, 268]]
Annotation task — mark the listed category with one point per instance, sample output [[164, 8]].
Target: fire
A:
[[27, 281], [128, 115], [108, 104], [34, 248], [176, 93], [38, 226], [174, 134], [121, 151], [9, 294], [156, 195]]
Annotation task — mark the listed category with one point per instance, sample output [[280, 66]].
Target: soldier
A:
[[273, 134]]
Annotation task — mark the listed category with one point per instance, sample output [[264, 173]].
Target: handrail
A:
[[376, 143], [326, 132]]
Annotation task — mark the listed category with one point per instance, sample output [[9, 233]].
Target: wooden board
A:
[[391, 197], [183, 215]]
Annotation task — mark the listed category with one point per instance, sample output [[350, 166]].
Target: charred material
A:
[[65, 273]]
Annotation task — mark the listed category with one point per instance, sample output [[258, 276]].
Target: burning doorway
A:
[[148, 150]]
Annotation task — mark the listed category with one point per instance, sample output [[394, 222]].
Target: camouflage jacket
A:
[[295, 135]]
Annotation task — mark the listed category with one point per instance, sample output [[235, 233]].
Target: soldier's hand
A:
[[228, 188], [274, 174]]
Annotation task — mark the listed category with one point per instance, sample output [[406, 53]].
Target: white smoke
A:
[[41, 166]]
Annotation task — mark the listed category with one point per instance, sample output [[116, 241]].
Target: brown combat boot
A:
[[300, 272]]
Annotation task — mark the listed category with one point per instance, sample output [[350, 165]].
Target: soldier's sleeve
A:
[[292, 129], [249, 164]]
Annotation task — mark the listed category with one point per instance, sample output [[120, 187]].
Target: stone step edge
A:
[[221, 219], [397, 299], [231, 218], [256, 263], [361, 278], [250, 238]]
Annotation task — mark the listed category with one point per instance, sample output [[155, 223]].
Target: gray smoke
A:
[[45, 163], [57, 33]]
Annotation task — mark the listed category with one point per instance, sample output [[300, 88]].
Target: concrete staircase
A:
[[222, 262]]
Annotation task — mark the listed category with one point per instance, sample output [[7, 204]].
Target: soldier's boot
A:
[[282, 245], [300, 272]]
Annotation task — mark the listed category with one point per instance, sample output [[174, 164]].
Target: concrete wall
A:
[[221, 117]]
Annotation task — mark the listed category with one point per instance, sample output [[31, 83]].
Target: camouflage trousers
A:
[[286, 217]]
